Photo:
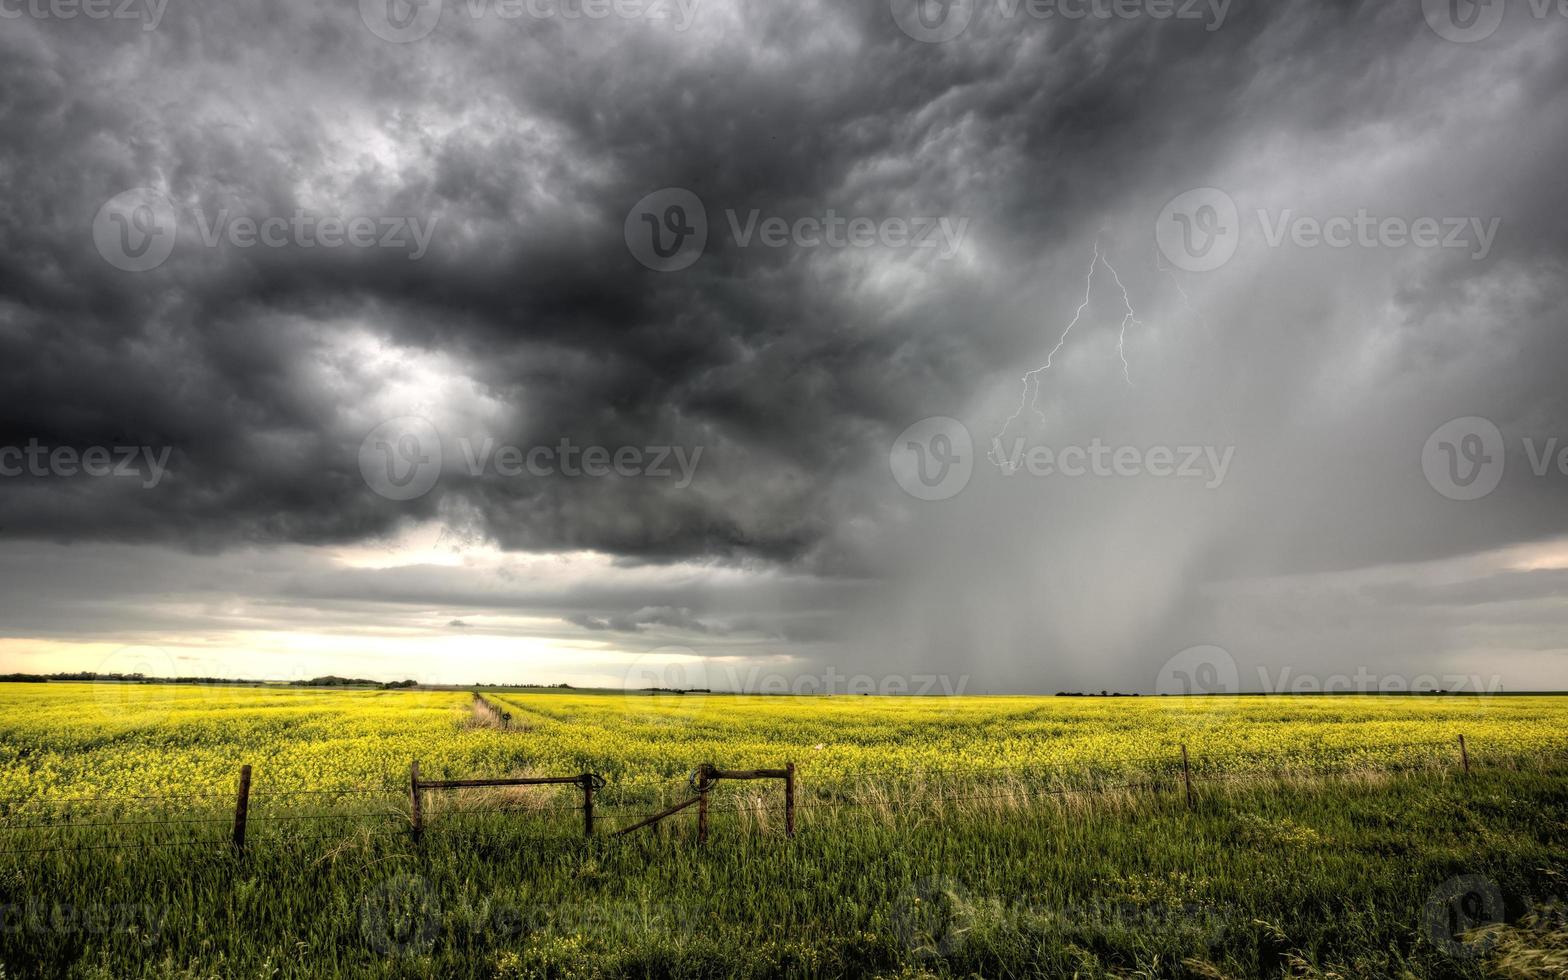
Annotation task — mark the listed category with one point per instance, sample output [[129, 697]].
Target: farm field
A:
[[1026, 836], [72, 740]]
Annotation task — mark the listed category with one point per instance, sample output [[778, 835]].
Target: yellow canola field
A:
[[60, 741]]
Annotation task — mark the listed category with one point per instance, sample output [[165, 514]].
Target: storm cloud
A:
[[429, 249]]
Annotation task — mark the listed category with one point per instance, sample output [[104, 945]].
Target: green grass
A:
[[1302, 878]]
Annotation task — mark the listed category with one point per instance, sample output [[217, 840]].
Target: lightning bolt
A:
[[1130, 319], [1030, 398], [1159, 264]]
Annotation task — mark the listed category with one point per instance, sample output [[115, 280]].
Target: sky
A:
[[868, 345]]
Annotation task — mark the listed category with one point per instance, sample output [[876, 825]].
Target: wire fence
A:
[[901, 788]]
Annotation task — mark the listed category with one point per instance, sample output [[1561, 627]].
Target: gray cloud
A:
[[528, 321]]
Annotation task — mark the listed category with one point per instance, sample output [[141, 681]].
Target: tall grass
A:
[[1336, 875]]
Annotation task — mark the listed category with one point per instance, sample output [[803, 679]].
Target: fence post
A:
[[789, 799], [1186, 774], [413, 796], [241, 808], [1464, 754], [702, 804], [587, 805]]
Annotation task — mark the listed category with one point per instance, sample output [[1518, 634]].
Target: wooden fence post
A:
[[705, 783], [587, 805], [1186, 774], [241, 808], [789, 799], [413, 796], [1464, 754]]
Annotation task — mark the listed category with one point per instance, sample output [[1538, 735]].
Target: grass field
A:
[[1007, 836]]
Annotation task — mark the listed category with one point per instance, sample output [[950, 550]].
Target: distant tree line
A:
[[1091, 694], [332, 680], [90, 675]]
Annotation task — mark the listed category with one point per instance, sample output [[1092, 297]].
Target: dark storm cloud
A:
[[766, 358], [521, 145]]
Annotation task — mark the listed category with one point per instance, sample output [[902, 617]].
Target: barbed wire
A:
[[214, 843], [818, 794], [1163, 760]]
